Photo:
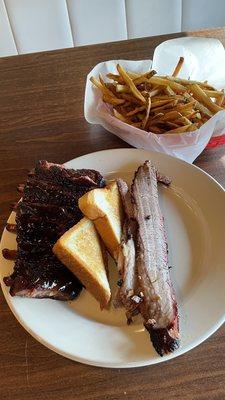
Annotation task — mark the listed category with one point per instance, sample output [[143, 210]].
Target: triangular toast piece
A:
[[80, 249], [104, 208]]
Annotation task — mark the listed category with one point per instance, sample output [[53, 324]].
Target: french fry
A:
[[145, 120], [111, 87], [112, 100], [132, 75], [130, 83], [153, 120], [220, 100], [177, 87], [170, 116], [200, 95], [183, 121], [154, 92], [116, 78], [101, 80], [187, 82], [167, 97], [172, 124], [165, 107], [156, 129], [145, 93], [103, 88], [159, 103], [144, 77], [192, 127], [130, 98], [122, 89], [169, 90], [194, 114], [198, 115], [135, 111], [178, 66], [137, 124], [213, 93], [120, 116], [186, 107]]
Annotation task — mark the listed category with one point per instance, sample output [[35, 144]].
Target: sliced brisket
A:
[[127, 291], [159, 307]]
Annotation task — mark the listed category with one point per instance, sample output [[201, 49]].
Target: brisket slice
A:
[[127, 294], [48, 208], [159, 306]]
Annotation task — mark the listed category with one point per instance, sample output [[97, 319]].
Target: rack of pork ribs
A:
[[48, 208]]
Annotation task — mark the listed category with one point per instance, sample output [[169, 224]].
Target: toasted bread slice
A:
[[104, 208], [80, 249]]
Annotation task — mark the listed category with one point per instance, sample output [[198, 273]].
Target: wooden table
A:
[[41, 117]]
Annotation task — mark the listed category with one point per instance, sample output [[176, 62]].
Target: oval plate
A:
[[194, 214]]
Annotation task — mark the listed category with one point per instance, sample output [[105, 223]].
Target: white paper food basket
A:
[[204, 60]]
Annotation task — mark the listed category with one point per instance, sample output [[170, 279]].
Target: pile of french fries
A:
[[160, 104]]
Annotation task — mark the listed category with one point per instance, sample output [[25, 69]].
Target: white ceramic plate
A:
[[194, 217]]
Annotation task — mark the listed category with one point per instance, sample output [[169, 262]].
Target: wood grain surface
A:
[[41, 117]]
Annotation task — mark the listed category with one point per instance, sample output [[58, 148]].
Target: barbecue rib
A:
[[159, 307], [48, 208]]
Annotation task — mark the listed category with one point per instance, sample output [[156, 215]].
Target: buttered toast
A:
[[81, 250], [104, 208]]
